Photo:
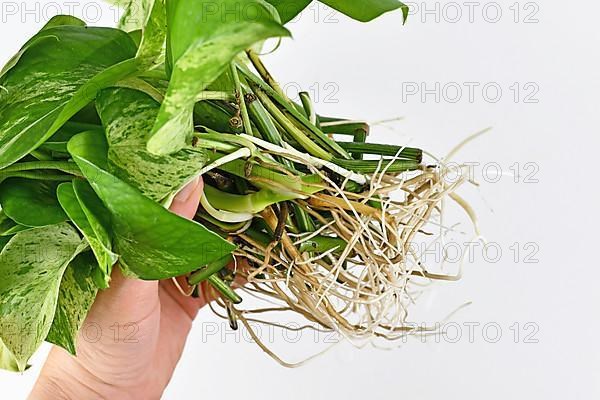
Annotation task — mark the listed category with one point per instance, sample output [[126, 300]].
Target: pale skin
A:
[[132, 367]]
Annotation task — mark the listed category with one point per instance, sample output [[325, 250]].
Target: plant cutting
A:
[[101, 127]]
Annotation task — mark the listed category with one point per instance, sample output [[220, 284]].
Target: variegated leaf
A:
[[7, 360], [128, 116], [31, 268], [57, 74], [152, 46], [75, 298], [201, 45], [100, 242]]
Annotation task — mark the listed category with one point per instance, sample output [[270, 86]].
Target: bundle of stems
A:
[[299, 209], [323, 220]]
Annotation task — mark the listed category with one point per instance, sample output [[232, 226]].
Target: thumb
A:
[[185, 203]]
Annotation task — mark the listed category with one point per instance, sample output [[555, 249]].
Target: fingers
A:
[[187, 200]]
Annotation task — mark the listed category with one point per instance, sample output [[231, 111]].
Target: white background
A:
[[370, 67]]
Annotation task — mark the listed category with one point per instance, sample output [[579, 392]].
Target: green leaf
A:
[[58, 141], [202, 42], [136, 36], [363, 10], [31, 268], [92, 146], [152, 242], [366, 10], [61, 20], [128, 116], [5, 223], [4, 241], [289, 9], [31, 202], [98, 216], [57, 75], [100, 242], [75, 298], [99, 219], [10, 227], [57, 20]]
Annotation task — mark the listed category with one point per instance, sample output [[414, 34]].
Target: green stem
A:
[[212, 268], [155, 73], [408, 153], [227, 138], [142, 86], [237, 140], [370, 166], [250, 203], [303, 220], [16, 228], [213, 145], [215, 95], [262, 70], [270, 133], [317, 134], [64, 166], [239, 94], [343, 127], [224, 289], [258, 236], [76, 127], [360, 136], [41, 155], [295, 132], [308, 107], [36, 175], [225, 216], [264, 123], [260, 176]]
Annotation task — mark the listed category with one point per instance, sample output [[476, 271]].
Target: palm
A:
[[144, 326], [135, 332]]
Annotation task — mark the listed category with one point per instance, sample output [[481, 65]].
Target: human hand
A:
[[142, 326]]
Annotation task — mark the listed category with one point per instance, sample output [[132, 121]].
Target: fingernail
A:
[[187, 191]]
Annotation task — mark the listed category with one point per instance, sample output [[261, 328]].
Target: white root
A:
[[365, 290]]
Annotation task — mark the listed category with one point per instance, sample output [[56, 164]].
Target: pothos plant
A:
[[101, 127]]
